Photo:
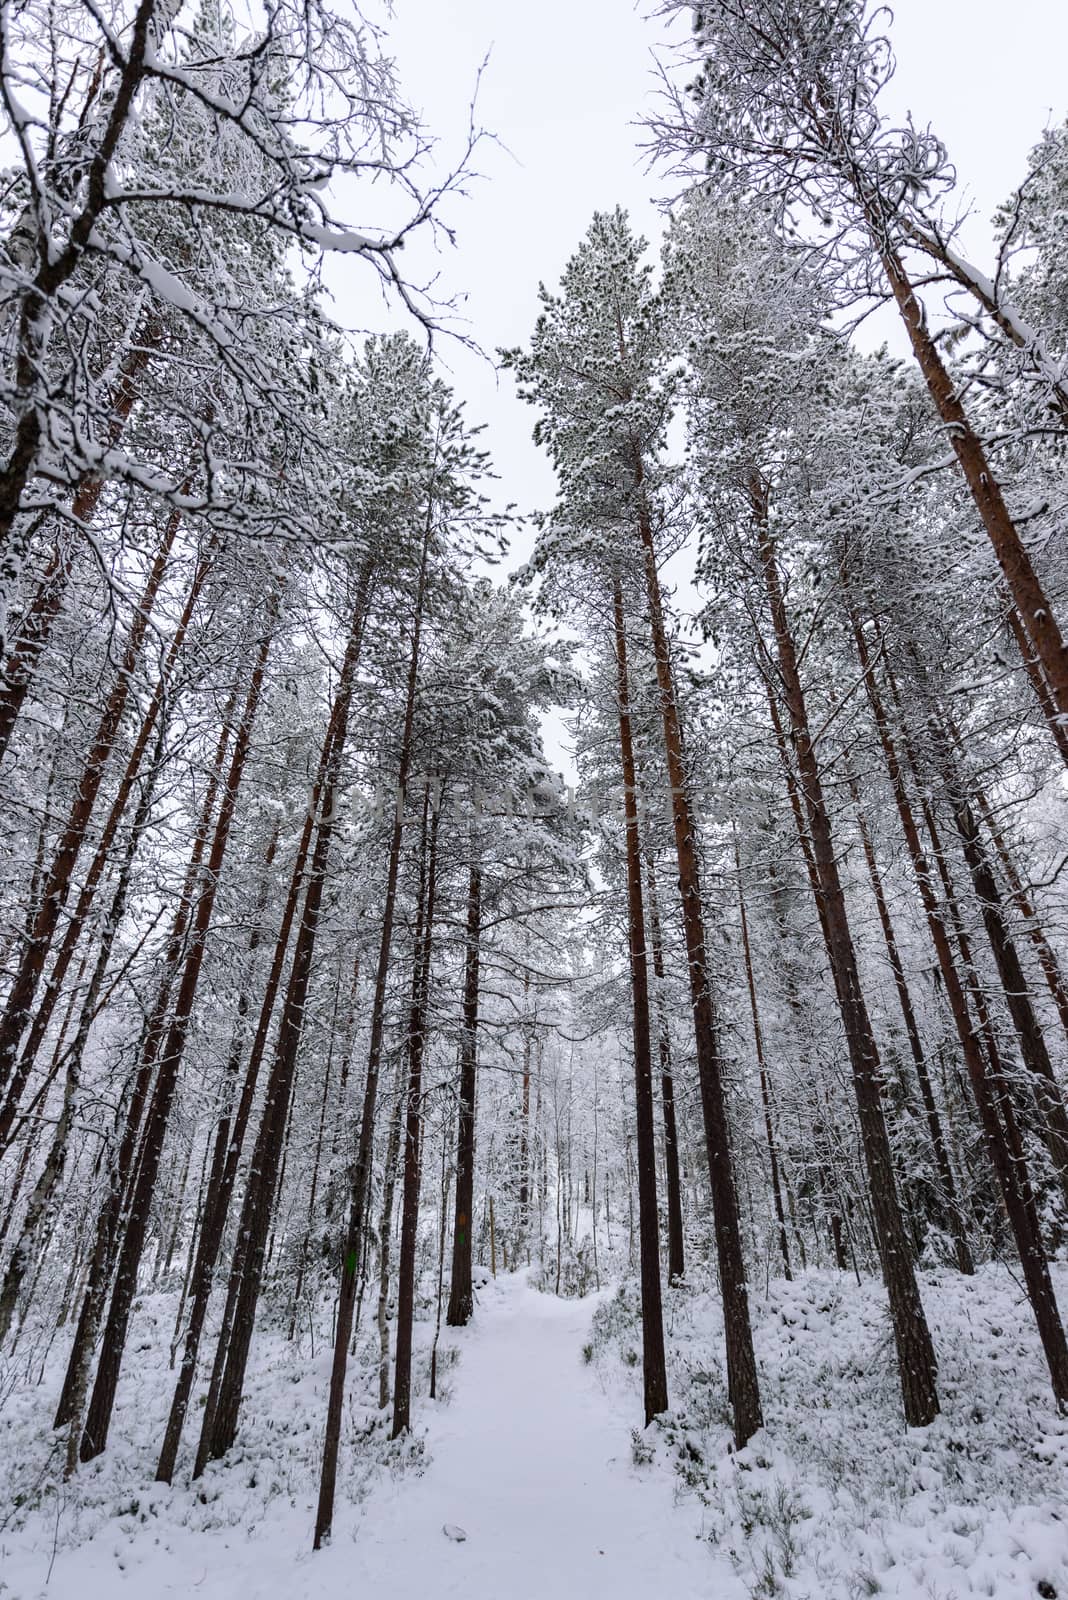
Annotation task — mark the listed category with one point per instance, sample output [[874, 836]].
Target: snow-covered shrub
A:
[[572, 1275]]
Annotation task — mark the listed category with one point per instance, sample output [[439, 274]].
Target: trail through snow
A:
[[528, 1450], [532, 1459], [530, 1455]]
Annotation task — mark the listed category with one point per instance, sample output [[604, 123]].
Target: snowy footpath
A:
[[528, 1459], [529, 1455], [533, 1461]]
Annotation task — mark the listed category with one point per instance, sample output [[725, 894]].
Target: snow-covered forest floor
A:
[[532, 1451], [836, 1498]]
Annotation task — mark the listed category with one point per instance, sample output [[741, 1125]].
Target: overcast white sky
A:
[[565, 84]]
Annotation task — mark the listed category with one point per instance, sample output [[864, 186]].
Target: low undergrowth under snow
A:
[[834, 1499], [113, 1520]]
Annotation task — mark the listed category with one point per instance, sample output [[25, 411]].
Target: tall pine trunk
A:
[[37, 621], [214, 1222], [42, 925], [413, 1124], [71, 1059], [219, 1428], [654, 1364], [742, 1383], [676, 1243], [917, 1366], [97, 867], [361, 1168], [1029, 597], [1047, 959], [762, 1069], [953, 1214], [225, 1154], [385, 1241], [461, 1299], [98, 1417], [1003, 1146], [112, 1212]]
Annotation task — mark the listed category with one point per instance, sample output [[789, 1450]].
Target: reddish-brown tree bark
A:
[[1002, 1140], [219, 1427], [98, 1417], [742, 1383], [953, 1215], [361, 1167], [226, 1151], [108, 1228], [654, 1364], [42, 927], [36, 623], [1047, 959], [916, 1359], [1029, 597]]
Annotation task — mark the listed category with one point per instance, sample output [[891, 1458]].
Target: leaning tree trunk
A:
[[992, 298], [953, 1213], [109, 1219], [1031, 1040], [461, 1298], [90, 1000], [1047, 959], [49, 1177], [71, 1058], [43, 924], [219, 1428], [917, 1366], [1037, 679], [55, 266], [98, 1417], [1006, 1092], [101, 858], [1029, 597], [232, 1139], [36, 624], [1006, 1154], [1054, 1117]]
